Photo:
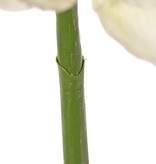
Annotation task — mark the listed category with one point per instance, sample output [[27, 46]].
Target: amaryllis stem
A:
[[71, 72]]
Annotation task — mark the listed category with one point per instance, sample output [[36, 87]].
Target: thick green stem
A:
[[71, 73]]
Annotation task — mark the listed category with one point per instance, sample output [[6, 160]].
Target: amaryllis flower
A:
[[57, 5], [130, 22]]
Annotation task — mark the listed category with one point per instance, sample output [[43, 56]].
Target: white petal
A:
[[57, 5], [13, 5], [148, 4], [132, 23]]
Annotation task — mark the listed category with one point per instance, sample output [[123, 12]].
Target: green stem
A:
[[69, 49], [71, 73]]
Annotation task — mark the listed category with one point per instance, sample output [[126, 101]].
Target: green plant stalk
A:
[[71, 72]]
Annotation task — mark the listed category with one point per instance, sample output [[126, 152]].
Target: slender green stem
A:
[[71, 73]]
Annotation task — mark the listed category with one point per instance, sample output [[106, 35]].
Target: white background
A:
[[120, 93]]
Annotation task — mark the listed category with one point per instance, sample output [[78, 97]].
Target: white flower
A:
[[132, 23], [57, 5]]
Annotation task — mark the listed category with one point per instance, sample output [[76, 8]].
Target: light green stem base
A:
[[73, 117]]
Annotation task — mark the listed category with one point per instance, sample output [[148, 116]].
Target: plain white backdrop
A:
[[120, 93]]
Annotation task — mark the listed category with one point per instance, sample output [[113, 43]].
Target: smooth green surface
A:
[[69, 49], [71, 73]]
